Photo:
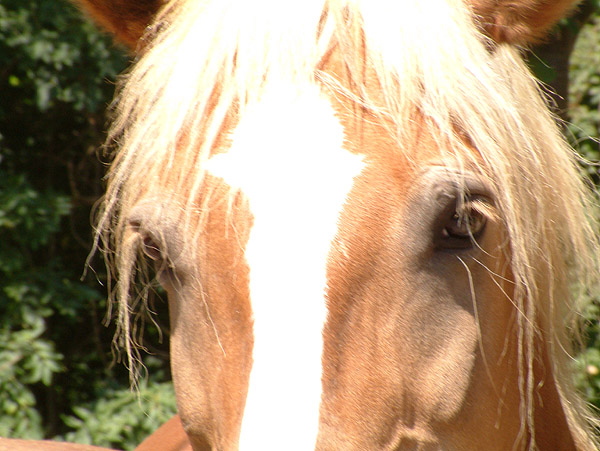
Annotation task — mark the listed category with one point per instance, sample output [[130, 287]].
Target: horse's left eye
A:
[[465, 223]]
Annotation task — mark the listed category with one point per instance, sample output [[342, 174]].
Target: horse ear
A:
[[125, 19], [519, 21]]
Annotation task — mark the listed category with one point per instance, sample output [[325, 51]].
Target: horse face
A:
[[353, 283]]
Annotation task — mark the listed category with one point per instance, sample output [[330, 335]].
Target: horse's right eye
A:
[[149, 246], [151, 249]]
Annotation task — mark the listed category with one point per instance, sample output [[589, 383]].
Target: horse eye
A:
[[466, 223], [149, 246], [151, 249]]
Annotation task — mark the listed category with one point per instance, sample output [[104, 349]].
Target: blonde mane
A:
[[207, 59]]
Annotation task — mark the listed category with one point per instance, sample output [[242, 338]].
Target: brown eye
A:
[[464, 223], [148, 244], [151, 249]]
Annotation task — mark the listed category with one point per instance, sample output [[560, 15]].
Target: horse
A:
[[369, 227]]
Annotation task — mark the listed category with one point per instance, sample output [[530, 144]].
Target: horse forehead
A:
[[290, 133]]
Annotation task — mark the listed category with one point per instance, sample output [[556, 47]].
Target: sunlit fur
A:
[[207, 59]]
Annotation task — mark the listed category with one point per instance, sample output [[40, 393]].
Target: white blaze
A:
[[288, 158]]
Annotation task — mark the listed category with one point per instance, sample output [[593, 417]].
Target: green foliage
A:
[[584, 130], [588, 362], [46, 45], [56, 378], [584, 93], [27, 221], [118, 417]]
